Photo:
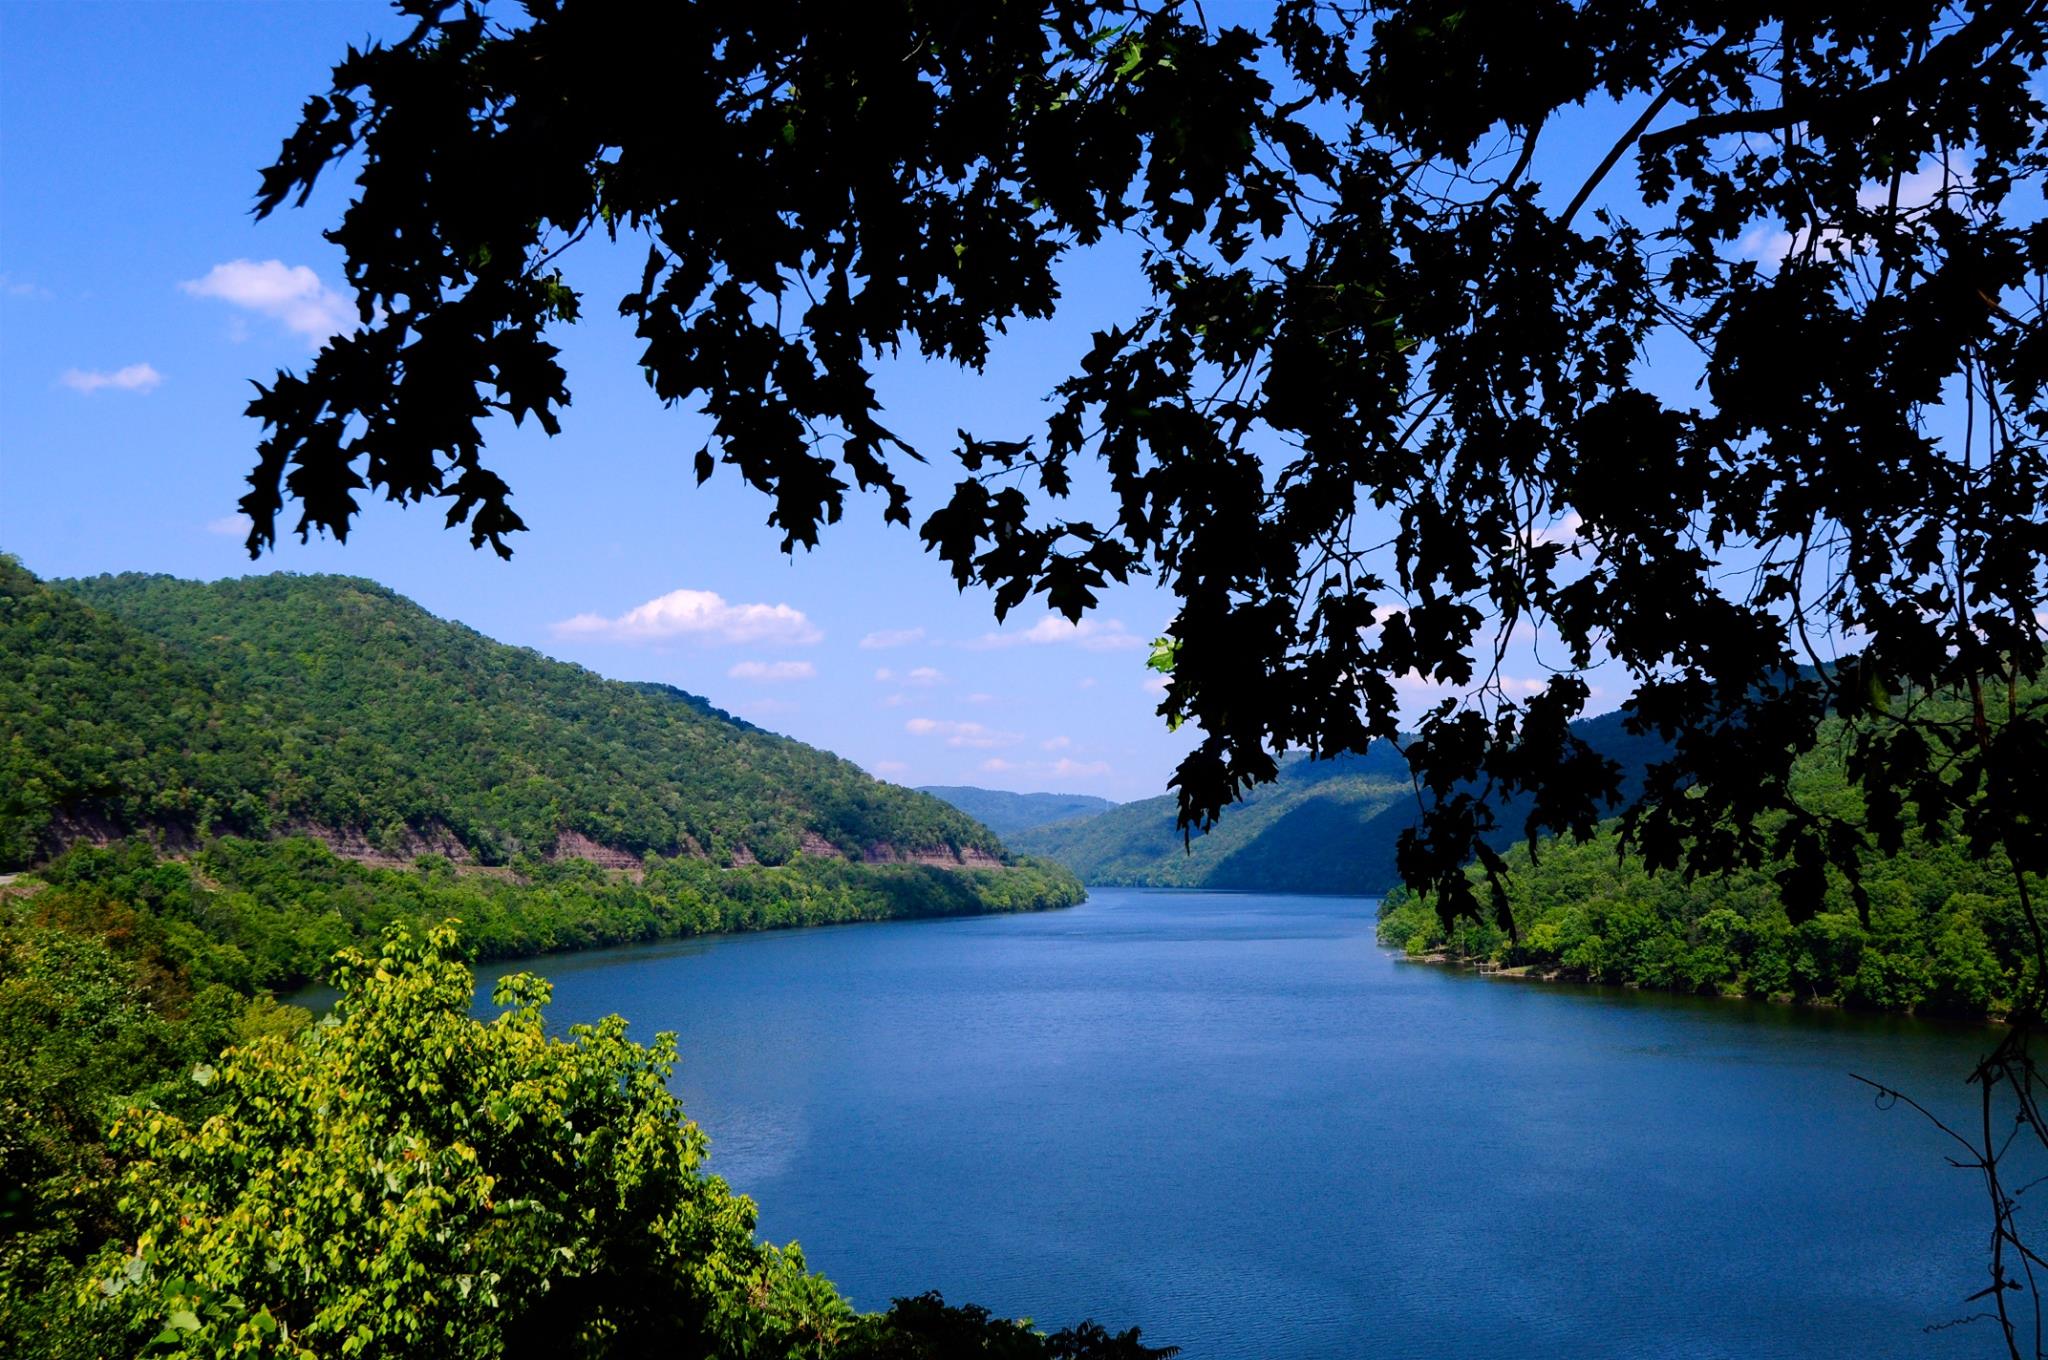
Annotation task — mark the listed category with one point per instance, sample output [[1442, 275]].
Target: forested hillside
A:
[[124, 976], [1007, 813], [271, 704], [1940, 932], [246, 728], [1325, 826]]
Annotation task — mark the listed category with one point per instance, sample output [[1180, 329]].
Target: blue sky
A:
[[138, 298]]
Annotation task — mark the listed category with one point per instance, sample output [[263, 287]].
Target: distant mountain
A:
[[334, 707], [1008, 813], [1322, 826]]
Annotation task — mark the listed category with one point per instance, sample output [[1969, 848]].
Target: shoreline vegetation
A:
[[1529, 972], [1943, 935], [268, 916], [156, 1098]]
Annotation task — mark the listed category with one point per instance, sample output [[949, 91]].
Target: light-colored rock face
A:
[[882, 852], [357, 845], [576, 845], [814, 844]]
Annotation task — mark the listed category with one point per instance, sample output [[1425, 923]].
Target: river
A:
[[1236, 1121]]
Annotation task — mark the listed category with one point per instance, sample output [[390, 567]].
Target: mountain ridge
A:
[[332, 706], [1324, 826], [1006, 813]]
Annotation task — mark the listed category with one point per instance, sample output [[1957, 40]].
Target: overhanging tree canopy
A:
[[1389, 350]]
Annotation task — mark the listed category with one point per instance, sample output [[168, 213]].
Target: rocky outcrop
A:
[[67, 829], [576, 845], [814, 844], [938, 857], [348, 843]]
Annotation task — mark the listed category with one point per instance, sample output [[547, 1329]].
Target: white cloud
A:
[[699, 615], [23, 288], [1921, 187], [133, 378], [892, 637], [960, 734], [920, 677], [1153, 684], [1085, 682], [1918, 189], [229, 526], [890, 767], [1094, 635], [1055, 743], [977, 698], [773, 670], [290, 294], [1564, 533], [1062, 768]]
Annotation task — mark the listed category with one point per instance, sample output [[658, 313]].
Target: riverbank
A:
[[1536, 973], [269, 915], [1201, 1110]]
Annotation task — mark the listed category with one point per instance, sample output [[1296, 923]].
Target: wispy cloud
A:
[[133, 378], [773, 671], [892, 637], [23, 288], [1918, 189], [1055, 743], [961, 734], [1059, 769], [289, 294], [1094, 635], [229, 526], [699, 616], [890, 767]]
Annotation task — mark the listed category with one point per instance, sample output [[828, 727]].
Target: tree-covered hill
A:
[[1324, 826], [1007, 813], [1938, 929], [271, 704]]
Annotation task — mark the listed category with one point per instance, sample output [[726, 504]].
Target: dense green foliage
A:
[[1937, 930], [103, 1000], [265, 704], [271, 914], [1006, 813], [402, 1180], [398, 1180]]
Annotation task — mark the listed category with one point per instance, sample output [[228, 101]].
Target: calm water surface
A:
[[1234, 1120]]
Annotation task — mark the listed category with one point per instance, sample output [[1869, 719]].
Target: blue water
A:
[[1234, 1120]]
